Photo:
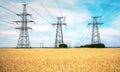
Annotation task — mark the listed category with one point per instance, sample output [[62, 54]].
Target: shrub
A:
[[94, 46], [63, 46], [97, 46]]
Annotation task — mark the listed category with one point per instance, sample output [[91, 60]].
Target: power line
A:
[[8, 9], [58, 5], [5, 21], [23, 1], [10, 3], [111, 13], [36, 12], [46, 10], [39, 14], [33, 19], [106, 5]]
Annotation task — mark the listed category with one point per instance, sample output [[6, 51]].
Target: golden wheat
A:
[[60, 60]]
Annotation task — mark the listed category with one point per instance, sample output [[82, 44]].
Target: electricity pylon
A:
[[95, 30], [23, 41], [59, 32]]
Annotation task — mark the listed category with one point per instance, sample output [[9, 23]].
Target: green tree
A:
[[63, 46]]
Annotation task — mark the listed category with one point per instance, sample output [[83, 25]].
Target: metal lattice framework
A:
[[95, 30], [59, 32], [23, 40]]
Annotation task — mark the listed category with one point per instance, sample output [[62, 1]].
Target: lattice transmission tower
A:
[[59, 32], [95, 30], [23, 41]]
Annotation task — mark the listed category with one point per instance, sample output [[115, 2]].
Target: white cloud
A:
[[70, 2], [41, 28], [8, 32], [40, 38], [110, 34], [116, 22], [71, 16]]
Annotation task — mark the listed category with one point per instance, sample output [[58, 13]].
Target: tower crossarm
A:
[[59, 24], [28, 21], [23, 28], [24, 15]]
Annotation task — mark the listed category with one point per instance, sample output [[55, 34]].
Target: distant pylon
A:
[[59, 32], [23, 40], [95, 30]]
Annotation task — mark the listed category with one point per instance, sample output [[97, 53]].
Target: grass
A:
[[60, 60]]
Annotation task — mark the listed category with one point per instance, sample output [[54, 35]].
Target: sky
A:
[[78, 14]]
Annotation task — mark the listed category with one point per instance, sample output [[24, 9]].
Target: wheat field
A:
[[60, 60]]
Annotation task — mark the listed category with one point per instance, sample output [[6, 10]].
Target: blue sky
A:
[[78, 14]]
